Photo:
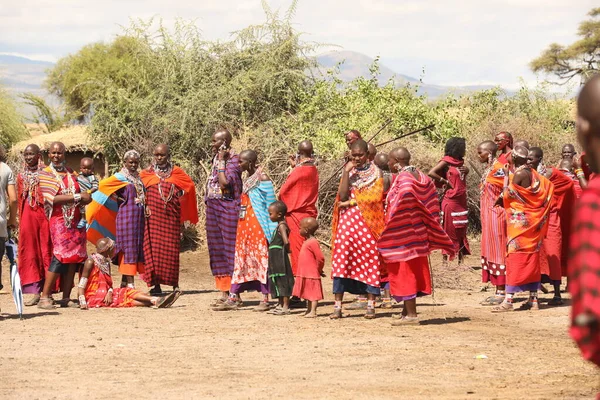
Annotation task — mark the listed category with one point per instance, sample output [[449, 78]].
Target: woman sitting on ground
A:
[[96, 286]]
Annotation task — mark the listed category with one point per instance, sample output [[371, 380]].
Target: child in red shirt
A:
[[310, 268]]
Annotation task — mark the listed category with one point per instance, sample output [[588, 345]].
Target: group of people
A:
[[134, 217], [388, 218]]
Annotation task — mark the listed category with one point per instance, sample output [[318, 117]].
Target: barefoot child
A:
[[281, 277], [310, 268], [95, 285], [88, 182]]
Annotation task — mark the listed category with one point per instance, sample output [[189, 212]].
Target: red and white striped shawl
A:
[[412, 220]]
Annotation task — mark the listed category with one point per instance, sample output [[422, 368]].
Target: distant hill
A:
[[21, 74], [354, 64]]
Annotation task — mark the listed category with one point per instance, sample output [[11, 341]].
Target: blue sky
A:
[[456, 42]]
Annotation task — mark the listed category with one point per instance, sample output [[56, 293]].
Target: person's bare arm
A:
[[283, 231], [579, 172], [222, 158], [69, 198], [12, 200], [344, 189], [436, 173]]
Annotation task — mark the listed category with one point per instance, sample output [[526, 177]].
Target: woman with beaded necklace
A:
[[170, 201], [62, 199], [124, 192], [358, 220], [35, 246]]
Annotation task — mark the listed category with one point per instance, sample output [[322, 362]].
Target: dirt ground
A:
[[189, 351]]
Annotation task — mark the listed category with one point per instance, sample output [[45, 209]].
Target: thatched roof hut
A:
[[77, 143]]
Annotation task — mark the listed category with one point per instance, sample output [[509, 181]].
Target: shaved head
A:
[[59, 145], [163, 148], [372, 151], [249, 155], [223, 134], [309, 224], [104, 244], [2, 153], [360, 145], [86, 161], [537, 151], [489, 145], [522, 143], [34, 148], [305, 148], [381, 160], [401, 154], [588, 121]]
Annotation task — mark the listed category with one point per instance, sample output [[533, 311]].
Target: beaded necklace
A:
[[305, 161], [31, 181], [409, 168], [252, 181], [365, 176], [134, 179], [102, 263], [68, 210], [164, 173]]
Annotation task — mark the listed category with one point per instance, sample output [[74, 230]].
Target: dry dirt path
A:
[[190, 351]]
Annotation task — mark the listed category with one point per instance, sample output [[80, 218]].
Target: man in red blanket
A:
[[300, 193], [561, 207], [412, 231], [584, 266]]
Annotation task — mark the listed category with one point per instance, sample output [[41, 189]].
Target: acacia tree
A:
[[11, 124], [580, 59]]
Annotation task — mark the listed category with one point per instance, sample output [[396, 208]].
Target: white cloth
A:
[[6, 178]]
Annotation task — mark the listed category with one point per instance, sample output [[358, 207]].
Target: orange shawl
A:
[[189, 206], [527, 213], [369, 201]]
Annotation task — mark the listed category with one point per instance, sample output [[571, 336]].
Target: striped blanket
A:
[[412, 220]]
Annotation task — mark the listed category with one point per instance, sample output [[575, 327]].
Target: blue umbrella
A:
[[15, 279]]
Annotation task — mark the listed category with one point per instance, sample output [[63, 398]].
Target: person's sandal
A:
[[370, 314], [34, 301], [227, 306], [556, 301], [262, 307], [504, 307], [177, 294], [163, 302], [219, 301], [337, 314], [46, 303], [406, 321], [493, 301], [281, 311], [530, 305]]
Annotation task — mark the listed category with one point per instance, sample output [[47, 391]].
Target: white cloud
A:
[[457, 41]]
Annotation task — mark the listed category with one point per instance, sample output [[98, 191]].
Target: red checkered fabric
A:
[[584, 273]]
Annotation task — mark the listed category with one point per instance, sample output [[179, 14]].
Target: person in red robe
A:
[[170, 201], [526, 199], [95, 288], [300, 192], [35, 245], [584, 266], [451, 174], [412, 231], [561, 207], [493, 223]]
